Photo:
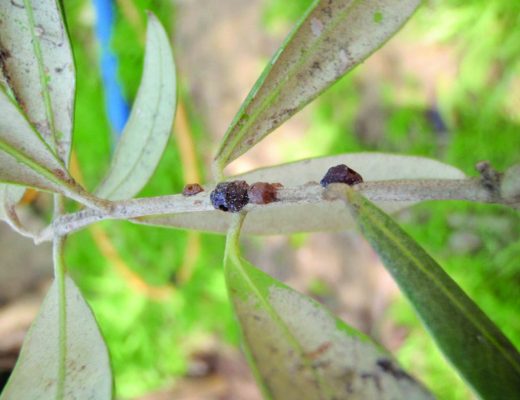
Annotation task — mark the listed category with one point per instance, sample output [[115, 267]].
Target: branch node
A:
[[490, 178]]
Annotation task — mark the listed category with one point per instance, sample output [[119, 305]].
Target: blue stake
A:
[[116, 105]]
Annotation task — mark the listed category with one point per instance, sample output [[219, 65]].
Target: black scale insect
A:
[[230, 196], [341, 174]]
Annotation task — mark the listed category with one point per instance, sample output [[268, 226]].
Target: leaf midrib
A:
[[29, 162], [41, 73]]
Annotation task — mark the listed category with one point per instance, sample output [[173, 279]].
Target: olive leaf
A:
[[24, 157], [323, 215], [27, 160], [331, 39], [148, 128], [85, 374], [37, 63], [470, 340], [298, 350]]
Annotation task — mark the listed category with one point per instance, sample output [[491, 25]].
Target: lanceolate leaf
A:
[[299, 350], [37, 62], [469, 339], [24, 147], [25, 159], [277, 218], [331, 39], [148, 128], [38, 373]]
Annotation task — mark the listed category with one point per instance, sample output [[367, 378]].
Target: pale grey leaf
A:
[[300, 351], [147, 131], [24, 157], [371, 166], [87, 373], [38, 67]]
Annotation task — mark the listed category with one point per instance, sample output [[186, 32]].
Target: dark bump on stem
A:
[[341, 174], [230, 196], [191, 189], [490, 178]]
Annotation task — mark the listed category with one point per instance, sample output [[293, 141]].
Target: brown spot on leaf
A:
[[62, 175], [4, 54], [319, 351], [191, 189]]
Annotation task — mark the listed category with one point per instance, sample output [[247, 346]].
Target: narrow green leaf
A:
[[38, 67], [469, 339], [299, 350], [85, 373], [148, 128], [325, 215], [331, 39]]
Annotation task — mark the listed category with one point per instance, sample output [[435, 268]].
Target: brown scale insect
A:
[[341, 174], [191, 189], [263, 192]]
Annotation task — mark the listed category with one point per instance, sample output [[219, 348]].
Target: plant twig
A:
[[391, 190]]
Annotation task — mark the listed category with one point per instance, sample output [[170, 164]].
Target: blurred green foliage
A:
[[149, 339]]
